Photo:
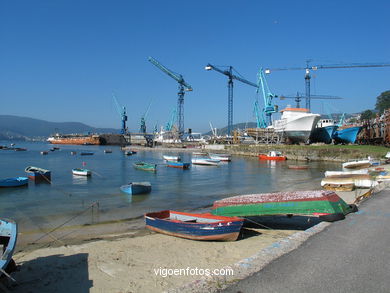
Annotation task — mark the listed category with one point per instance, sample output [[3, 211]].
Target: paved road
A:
[[352, 255]]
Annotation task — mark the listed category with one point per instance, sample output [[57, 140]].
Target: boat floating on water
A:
[[134, 188], [44, 152], [182, 165], [273, 156], [38, 174], [221, 157], [171, 158], [86, 153], [107, 151], [75, 139], [81, 172], [205, 161], [14, 182], [8, 237], [145, 166], [194, 226]]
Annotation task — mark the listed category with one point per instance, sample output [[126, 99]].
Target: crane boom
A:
[[122, 113]]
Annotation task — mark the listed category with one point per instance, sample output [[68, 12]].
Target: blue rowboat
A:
[[8, 237], [38, 174], [181, 165], [137, 188], [346, 134], [14, 182], [194, 226], [86, 154]]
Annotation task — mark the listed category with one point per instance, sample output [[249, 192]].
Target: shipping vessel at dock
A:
[[75, 139]]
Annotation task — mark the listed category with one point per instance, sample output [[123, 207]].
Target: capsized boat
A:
[[171, 158], [14, 182], [38, 174], [221, 157], [357, 180], [182, 165], [346, 134], [8, 237], [134, 188], [205, 161], [194, 226], [273, 156], [357, 164], [296, 124], [327, 205], [81, 172], [145, 166]]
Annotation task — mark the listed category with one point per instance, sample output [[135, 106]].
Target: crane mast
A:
[[122, 113], [231, 76], [183, 86]]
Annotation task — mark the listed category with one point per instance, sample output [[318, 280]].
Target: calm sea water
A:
[[48, 205]]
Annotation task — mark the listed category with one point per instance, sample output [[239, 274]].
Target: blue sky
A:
[[60, 60]]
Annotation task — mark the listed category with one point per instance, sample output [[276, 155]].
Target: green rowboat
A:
[[145, 166]]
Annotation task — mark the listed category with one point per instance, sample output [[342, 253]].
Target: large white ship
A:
[[296, 124]]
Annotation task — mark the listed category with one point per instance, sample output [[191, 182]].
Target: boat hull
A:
[[221, 157], [323, 134], [180, 165], [271, 158], [297, 129], [137, 188], [81, 172], [205, 161], [346, 135], [145, 167], [194, 226], [13, 182], [8, 238], [38, 174], [76, 140]]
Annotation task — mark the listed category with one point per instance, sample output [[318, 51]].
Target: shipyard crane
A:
[[231, 76], [122, 113], [268, 96], [308, 68], [172, 120], [299, 97], [183, 86], [143, 119]]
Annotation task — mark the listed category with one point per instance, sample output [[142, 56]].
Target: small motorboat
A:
[[182, 165], [134, 188], [171, 158], [205, 161], [73, 153], [273, 156], [194, 226], [145, 166], [20, 149], [8, 237], [200, 154], [86, 153], [44, 153], [357, 164], [221, 157], [130, 153], [14, 182], [38, 174], [108, 151], [81, 172]]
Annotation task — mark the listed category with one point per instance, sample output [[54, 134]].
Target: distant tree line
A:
[[382, 103]]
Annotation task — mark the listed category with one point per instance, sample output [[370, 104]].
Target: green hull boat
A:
[[145, 166]]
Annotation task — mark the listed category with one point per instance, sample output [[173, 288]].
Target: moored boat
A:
[[205, 161], [181, 165], [194, 226], [145, 166], [75, 139], [221, 157], [38, 174], [81, 172], [327, 205], [86, 153], [273, 156], [134, 188], [14, 182], [171, 158], [8, 237], [44, 153], [108, 151]]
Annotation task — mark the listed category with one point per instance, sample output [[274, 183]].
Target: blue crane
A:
[[268, 96], [122, 113], [143, 119], [231, 76], [260, 121], [308, 68], [183, 86], [172, 120]]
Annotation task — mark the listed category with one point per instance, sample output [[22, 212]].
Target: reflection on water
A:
[[68, 195]]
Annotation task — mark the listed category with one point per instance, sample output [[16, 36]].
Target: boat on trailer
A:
[[182, 165], [14, 182], [134, 188], [326, 205], [194, 226], [8, 237], [38, 174]]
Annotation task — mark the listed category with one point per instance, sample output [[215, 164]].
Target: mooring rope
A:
[[261, 225]]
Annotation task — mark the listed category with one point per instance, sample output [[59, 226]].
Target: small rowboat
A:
[[107, 151], [137, 188], [358, 164], [298, 167], [338, 173], [44, 153], [73, 153], [38, 174], [273, 156], [171, 158], [145, 166], [86, 154], [194, 226], [14, 182], [221, 157], [205, 161], [8, 237], [181, 165], [81, 172]]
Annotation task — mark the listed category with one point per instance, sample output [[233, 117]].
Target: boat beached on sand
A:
[[8, 237], [194, 226], [357, 164]]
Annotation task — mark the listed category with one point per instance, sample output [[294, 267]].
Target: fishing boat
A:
[[171, 158], [296, 124], [323, 131], [8, 237], [346, 134], [221, 157], [205, 161], [44, 153], [81, 172], [357, 164], [327, 205], [134, 188], [194, 226], [273, 156], [14, 182], [86, 153], [38, 174], [182, 165], [145, 166]]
